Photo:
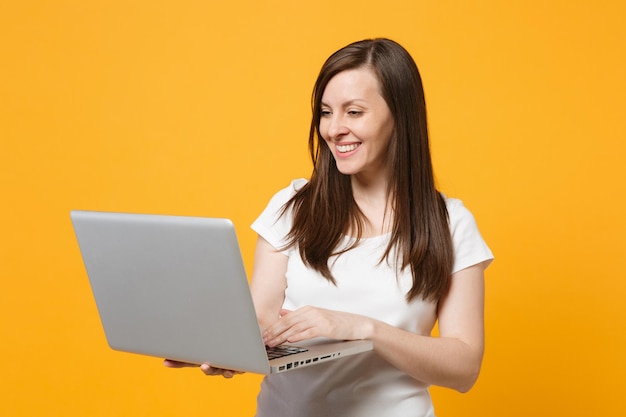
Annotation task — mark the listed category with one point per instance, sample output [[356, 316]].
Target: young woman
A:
[[367, 248]]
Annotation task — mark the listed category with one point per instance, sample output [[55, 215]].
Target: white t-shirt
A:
[[361, 385]]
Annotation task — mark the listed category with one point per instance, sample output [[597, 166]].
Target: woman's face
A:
[[356, 123]]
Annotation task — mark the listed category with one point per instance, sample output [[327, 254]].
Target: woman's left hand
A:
[[310, 322]]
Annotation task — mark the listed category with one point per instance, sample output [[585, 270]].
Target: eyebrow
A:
[[347, 103]]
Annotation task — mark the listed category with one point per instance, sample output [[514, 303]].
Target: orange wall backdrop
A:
[[202, 108]]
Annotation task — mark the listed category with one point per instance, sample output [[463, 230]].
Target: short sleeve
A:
[[469, 246], [270, 225]]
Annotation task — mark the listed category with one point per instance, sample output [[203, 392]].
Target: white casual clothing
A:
[[361, 385]]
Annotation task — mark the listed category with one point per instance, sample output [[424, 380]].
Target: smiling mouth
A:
[[347, 148]]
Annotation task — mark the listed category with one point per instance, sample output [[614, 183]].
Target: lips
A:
[[347, 148]]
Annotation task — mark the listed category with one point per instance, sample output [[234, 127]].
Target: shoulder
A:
[[469, 245], [459, 217], [456, 209], [296, 185], [282, 196], [274, 222]]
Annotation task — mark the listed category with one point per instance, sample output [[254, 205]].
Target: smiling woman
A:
[[356, 124], [369, 249], [319, 276]]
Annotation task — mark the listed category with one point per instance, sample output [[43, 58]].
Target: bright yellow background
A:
[[191, 108]]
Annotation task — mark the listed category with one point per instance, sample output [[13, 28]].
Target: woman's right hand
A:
[[205, 367]]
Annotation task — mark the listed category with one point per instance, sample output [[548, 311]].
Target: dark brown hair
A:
[[324, 210]]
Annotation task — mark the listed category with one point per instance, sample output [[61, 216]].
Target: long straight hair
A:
[[324, 210]]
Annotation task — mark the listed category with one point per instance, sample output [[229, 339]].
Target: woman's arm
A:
[[268, 283], [452, 360]]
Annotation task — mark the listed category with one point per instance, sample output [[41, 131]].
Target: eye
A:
[[325, 113], [354, 113]]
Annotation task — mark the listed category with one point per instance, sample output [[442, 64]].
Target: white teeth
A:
[[347, 148]]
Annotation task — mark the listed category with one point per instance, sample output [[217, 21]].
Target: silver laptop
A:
[[175, 287]]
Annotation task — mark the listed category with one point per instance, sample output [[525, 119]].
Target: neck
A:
[[375, 188], [374, 201]]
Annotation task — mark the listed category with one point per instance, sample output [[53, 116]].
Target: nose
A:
[[336, 128]]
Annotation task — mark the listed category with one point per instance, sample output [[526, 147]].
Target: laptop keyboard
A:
[[283, 350]]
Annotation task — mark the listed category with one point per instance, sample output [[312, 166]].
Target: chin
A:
[[347, 170]]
